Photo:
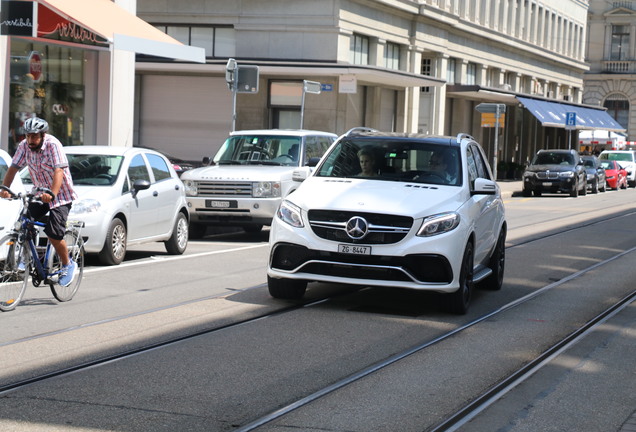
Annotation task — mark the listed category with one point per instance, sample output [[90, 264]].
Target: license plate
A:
[[220, 204], [548, 184], [354, 249]]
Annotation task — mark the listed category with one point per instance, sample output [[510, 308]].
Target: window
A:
[[471, 74], [392, 56], [620, 42], [359, 50], [618, 107], [159, 167], [426, 68], [217, 41], [137, 170], [450, 71]]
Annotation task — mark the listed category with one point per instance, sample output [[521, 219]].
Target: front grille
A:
[[422, 268], [383, 228], [547, 175], [224, 189]]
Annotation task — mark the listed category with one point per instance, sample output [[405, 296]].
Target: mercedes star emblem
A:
[[357, 227]]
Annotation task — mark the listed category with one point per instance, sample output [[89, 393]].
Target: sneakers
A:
[[66, 274], [21, 266]]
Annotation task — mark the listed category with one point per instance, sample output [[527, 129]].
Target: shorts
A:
[[56, 224]]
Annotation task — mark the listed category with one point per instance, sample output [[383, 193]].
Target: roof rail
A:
[[463, 135], [359, 129]]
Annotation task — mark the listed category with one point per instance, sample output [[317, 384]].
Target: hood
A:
[[553, 168], [98, 193], [238, 173], [376, 196]]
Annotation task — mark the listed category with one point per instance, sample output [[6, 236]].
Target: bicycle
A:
[[21, 256]]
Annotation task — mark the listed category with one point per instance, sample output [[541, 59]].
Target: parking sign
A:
[[570, 120]]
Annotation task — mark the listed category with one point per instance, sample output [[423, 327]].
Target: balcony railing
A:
[[619, 66]]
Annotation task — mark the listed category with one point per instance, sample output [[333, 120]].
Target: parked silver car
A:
[[250, 175]]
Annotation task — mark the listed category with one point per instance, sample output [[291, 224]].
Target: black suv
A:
[[554, 171]]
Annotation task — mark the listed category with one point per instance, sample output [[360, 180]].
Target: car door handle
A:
[[155, 194], [176, 187]]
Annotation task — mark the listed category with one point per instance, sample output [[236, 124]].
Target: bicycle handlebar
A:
[[28, 194]]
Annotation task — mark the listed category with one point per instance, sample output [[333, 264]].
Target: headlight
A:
[[265, 189], [85, 206], [566, 174], [290, 214], [190, 188], [438, 224], [528, 174]]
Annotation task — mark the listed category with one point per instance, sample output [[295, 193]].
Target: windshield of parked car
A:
[[553, 158], [94, 170], [394, 160], [625, 157], [260, 150]]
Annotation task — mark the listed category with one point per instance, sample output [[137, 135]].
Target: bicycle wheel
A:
[[13, 281], [75, 247]]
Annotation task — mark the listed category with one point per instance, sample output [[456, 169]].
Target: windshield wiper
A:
[[260, 162], [229, 162]]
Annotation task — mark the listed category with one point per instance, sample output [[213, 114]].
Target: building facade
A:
[[396, 65], [611, 53]]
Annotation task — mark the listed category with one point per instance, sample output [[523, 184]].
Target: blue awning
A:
[[553, 114]]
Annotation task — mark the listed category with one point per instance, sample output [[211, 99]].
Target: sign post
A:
[[308, 87], [570, 125], [498, 110]]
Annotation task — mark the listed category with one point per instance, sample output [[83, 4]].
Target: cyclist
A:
[[48, 167]]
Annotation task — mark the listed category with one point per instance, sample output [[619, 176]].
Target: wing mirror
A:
[[139, 185]]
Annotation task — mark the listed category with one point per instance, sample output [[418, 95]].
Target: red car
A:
[[615, 174]]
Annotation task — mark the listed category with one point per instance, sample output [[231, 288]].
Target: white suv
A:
[[249, 176], [427, 215], [626, 158]]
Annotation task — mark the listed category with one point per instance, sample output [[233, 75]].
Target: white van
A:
[[626, 158], [249, 176]]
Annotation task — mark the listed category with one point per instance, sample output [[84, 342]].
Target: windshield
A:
[[260, 150], [553, 158], [624, 157], [94, 170], [394, 160]]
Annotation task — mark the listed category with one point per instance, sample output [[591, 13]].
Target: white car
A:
[[251, 173], [126, 196], [9, 209], [626, 158], [428, 216]]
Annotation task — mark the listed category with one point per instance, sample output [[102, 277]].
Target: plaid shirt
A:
[[42, 165]]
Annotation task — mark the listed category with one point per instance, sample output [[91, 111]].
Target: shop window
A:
[[285, 100]]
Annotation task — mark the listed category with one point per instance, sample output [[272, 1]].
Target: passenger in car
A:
[[366, 157]]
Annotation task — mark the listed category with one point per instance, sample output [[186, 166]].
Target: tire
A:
[[603, 188], [76, 252], [196, 231], [253, 228], [537, 193], [114, 249], [459, 301], [12, 282], [574, 193], [287, 289], [527, 192], [595, 186], [584, 188], [497, 264], [178, 241]]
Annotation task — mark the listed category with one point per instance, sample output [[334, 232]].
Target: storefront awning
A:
[[121, 29], [553, 114]]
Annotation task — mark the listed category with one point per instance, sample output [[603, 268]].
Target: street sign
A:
[[489, 120], [312, 87], [570, 120], [493, 108]]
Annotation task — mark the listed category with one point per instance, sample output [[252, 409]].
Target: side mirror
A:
[[206, 160], [484, 186], [139, 185], [300, 174]]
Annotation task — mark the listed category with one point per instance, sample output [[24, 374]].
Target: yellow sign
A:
[[488, 120]]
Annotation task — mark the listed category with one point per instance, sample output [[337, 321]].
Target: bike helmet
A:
[[35, 125]]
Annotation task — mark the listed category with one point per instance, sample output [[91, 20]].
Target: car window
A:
[[394, 160], [3, 168], [259, 150], [137, 169], [476, 159], [316, 146], [624, 157], [93, 169], [159, 167]]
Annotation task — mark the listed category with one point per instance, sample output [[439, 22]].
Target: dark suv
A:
[[554, 171]]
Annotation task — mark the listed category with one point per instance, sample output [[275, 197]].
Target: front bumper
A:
[[232, 211], [431, 263], [549, 185]]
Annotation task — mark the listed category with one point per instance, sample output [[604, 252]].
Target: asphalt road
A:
[[223, 380]]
